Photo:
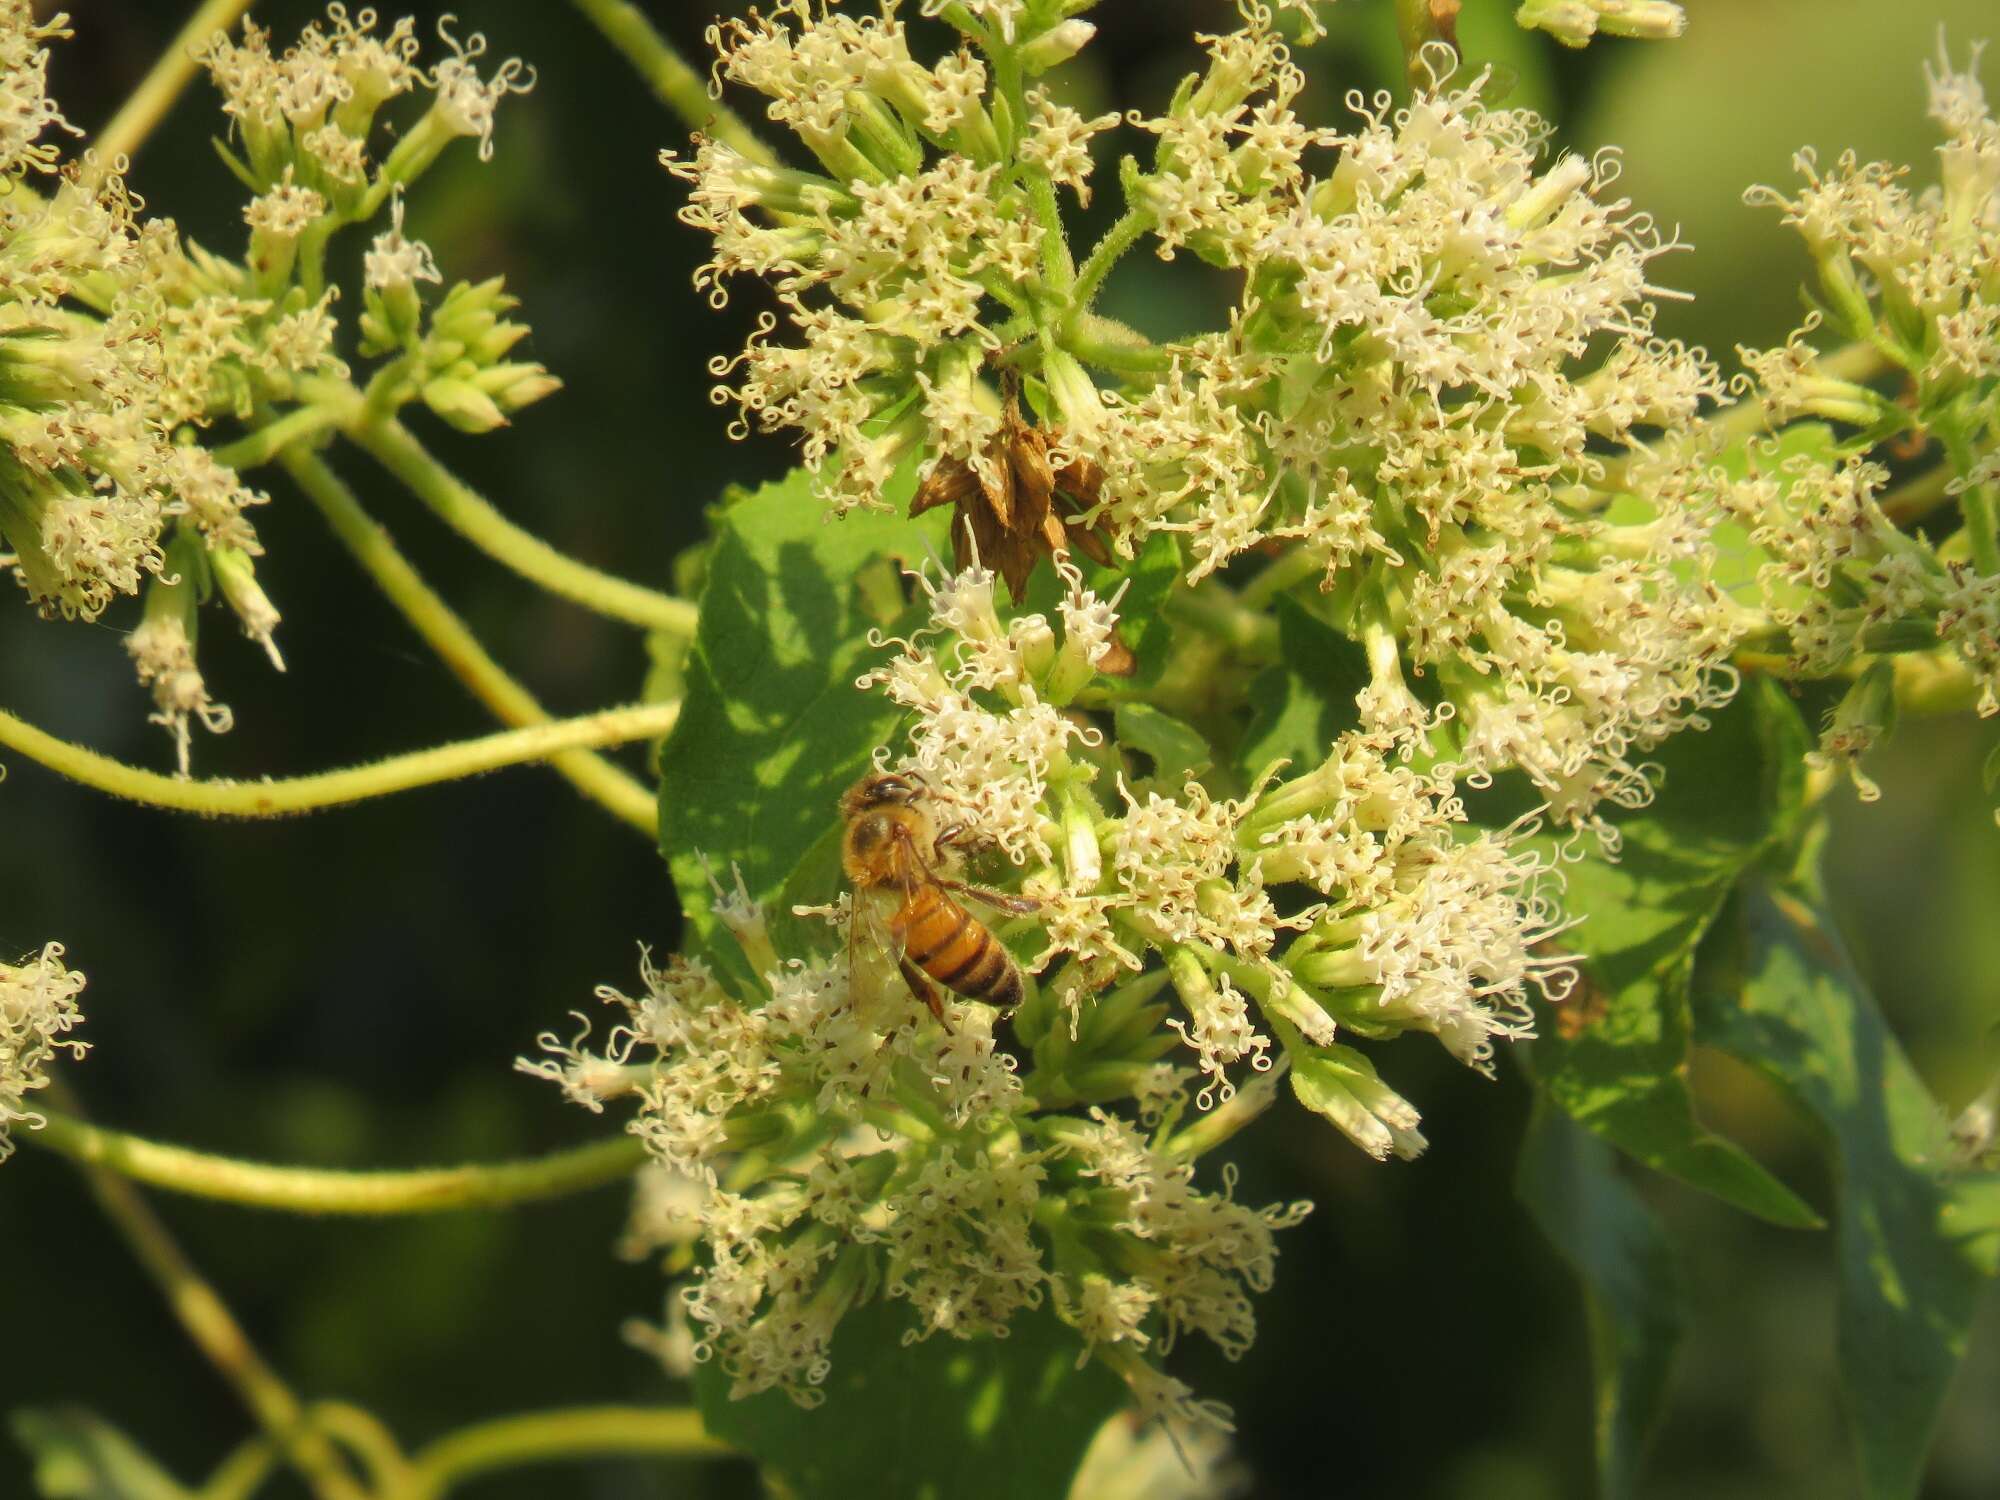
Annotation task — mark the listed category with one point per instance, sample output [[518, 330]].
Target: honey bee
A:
[[890, 838]]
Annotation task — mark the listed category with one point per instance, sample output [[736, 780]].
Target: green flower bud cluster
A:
[[457, 363]]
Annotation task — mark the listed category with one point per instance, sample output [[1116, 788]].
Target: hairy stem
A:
[[315, 1190], [474, 518], [541, 1437], [302, 794], [215, 1331], [672, 81], [1105, 254], [148, 104], [459, 649], [1110, 345]]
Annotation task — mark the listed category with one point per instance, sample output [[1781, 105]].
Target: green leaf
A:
[[1633, 1297], [1177, 750], [80, 1456], [1726, 796], [773, 728], [1301, 705], [1777, 990], [938, 1420]]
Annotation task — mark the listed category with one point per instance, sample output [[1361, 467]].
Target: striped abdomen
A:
[[952, 946]]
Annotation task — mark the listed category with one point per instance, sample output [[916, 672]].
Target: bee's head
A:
[[883, 789]]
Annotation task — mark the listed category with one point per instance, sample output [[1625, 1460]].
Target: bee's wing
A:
[[872, 950]]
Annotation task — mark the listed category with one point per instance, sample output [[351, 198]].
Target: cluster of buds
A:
[[456, 362], [1911, 276], [37, 1011], [1440, 382]]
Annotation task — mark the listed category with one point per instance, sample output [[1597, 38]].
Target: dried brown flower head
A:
[[1017, 505]]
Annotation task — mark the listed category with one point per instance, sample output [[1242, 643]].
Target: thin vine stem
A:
[[473, 517], [148, 104], [547, 1436], [673, 82], [216, 1333], [442, 630], [303, 794], [315, 1190]]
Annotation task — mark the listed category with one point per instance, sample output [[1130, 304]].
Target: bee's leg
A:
[[922, 988], [1017, 906]]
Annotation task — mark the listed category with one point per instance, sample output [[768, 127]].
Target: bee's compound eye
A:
[[896, 789]]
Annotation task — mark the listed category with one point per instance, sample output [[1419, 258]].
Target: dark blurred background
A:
[[351, 989]]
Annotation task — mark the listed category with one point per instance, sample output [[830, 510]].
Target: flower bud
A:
[[461, 403], [1341, 1084], [237, 579], [1056, 46], [1574, 22], [1864, 716], [162, 649], [515, 386]]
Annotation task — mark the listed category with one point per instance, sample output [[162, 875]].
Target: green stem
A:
[[459, 649], [242, 1473], [261, 446], [300, 794], [314, 1190], [1214, 611], [1917, 497], [541, 1437], [214, 1330], [1975, 503], [1112, 346], [1294, 566], [1105, 254], [672, 81], [1057, 265], [394, 447], [148, 104]]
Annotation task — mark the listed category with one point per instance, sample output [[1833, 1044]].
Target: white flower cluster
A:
[[112, 336], [308, 110], [37, 1011], [826, 1143], [1399, 392], [117, 338], [1415, 928], [1910, 275], [1441, 379], [910, 256]]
